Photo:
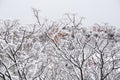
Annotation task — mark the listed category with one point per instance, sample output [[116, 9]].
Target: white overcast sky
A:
[[95, 11]]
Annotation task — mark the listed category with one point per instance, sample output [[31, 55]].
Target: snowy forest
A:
[[59, 50]]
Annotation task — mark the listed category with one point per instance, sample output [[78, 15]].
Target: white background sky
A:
[[94, 10]]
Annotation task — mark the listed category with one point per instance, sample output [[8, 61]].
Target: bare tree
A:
[[62, 50]]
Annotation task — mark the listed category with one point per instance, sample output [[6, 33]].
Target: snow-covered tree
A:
[[61, 50]]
